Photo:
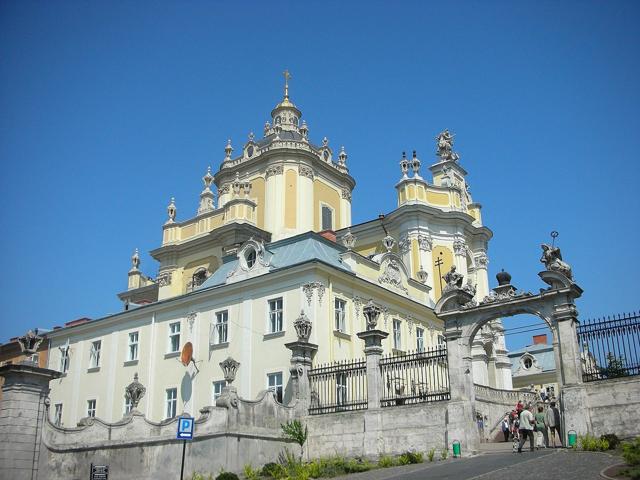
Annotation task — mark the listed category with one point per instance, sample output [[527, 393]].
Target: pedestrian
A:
[[541, 429], [515, 424], [527, 423], [505, 428], [553, 421]]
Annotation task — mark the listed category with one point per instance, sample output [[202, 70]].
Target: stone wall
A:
[[613, 404], [140, 449]]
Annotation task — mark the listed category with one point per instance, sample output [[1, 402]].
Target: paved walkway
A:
[[496, 464]]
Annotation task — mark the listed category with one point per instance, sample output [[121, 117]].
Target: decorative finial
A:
[[325, 141], [30, 342], [171, 210], [229, 369], [207, 179], [554, 235], [135, 260], [445, 147], [228, 149], [371, 313], [287, 76], [404, 165], [206, 196], [267, 127], [389, 242], [134, 392], [415, 164], [302, 325], [349, 239], [251, 136], [304, 129], [342, 158]]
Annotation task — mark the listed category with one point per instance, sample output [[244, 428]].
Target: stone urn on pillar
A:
[[302, 353], [373, 351], [229, 396]]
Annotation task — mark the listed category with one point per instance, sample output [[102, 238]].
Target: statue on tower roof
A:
[[445, 146]]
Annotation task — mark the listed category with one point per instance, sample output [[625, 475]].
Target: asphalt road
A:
[[544, 464]]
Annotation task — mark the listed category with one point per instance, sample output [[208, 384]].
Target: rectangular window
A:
[[397, 339], [172, 402], [91, 408], [327, 218], [340, 309], [64, 359], [133, 346], [420, 339], [94, 354], [221, 327], [217, 389], [174, 338], [57, 416], [274, 383], [275, 315], [341, 388], [127, 405]]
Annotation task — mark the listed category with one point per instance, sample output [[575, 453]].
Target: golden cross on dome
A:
[[287, 76]]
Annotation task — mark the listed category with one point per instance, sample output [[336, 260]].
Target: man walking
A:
[[526, 427], [553, 421]]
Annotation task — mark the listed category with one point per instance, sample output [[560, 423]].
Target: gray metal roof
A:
[[543, 354]]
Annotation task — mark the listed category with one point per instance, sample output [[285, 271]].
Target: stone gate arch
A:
[[464, 317]]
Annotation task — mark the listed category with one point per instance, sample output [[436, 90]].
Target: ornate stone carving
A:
[[482, 260], [305, 171], [274, 170], [172, 210], [388, 242], [224, 189], [308, 289], [504, 296], [445, 147], [229, 368], [422, 275], [302, 326], [453, 279], [404, 245], [346, 194], [191, 318], [30, 342], [321, 289], [410, 324], [371, 313], [357, 303], [404, 165], [134, 392], [385, 316], [135, 261], [349, 240], [392, 275], [552, 259], [425, 242], [460, 246], [164, 279]]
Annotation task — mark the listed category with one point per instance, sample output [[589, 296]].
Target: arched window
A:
[[527, 362], [199, 277], [250, 257]]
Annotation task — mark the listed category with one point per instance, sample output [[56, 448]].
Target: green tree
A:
[[615, 367], [294, 430]]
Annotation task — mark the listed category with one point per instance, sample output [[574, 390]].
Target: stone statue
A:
[[30, 342], [552, 259], [134, 392], [445, 146], [453, 279]]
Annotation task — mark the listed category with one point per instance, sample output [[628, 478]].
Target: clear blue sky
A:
[[107, 109]]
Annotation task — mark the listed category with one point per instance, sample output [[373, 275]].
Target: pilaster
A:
[[373, 352]]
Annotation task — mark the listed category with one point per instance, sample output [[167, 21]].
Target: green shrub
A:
[[274, 470], [613, 440], [386, 461], [294, 430], [227, 476], [357, 465], [631, 452], [589, 443], [430, 454], [250, 473], [201, 476], [633, 473], [315, 469], [444, 453], [410, 457]]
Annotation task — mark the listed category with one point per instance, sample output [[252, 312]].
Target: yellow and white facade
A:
[[232, 279]]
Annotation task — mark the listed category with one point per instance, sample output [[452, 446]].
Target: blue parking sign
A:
[[185, 428]]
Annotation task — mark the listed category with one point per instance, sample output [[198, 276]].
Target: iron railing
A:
[[338, 387], [417, 377], [610, 347]]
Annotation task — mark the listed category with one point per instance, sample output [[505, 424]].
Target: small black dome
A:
[[503, 278]]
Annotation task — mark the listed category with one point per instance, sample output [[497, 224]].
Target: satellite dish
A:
[[186, 357]]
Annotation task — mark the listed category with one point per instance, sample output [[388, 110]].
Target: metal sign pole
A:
[[184, 447]]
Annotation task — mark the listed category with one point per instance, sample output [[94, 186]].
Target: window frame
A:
[[95, 353], [57, 414], [219, 383], [275, 316], [276, 389], [220, 327], [171, 404], [130, 344], [64, 359], [331, 210], [420, 339], [91, 412], [397, 334], [340, 315], [173, 335]]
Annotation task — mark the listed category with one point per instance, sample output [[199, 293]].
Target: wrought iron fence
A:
[[338, 387], [610, 347], [417, 377]]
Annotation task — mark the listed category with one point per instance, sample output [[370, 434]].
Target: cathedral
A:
[[272, 241]]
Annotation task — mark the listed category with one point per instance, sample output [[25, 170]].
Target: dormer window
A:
[[199, 277], [528, 363], [250, 257]]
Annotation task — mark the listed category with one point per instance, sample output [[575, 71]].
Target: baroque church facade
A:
[[272, 240]]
